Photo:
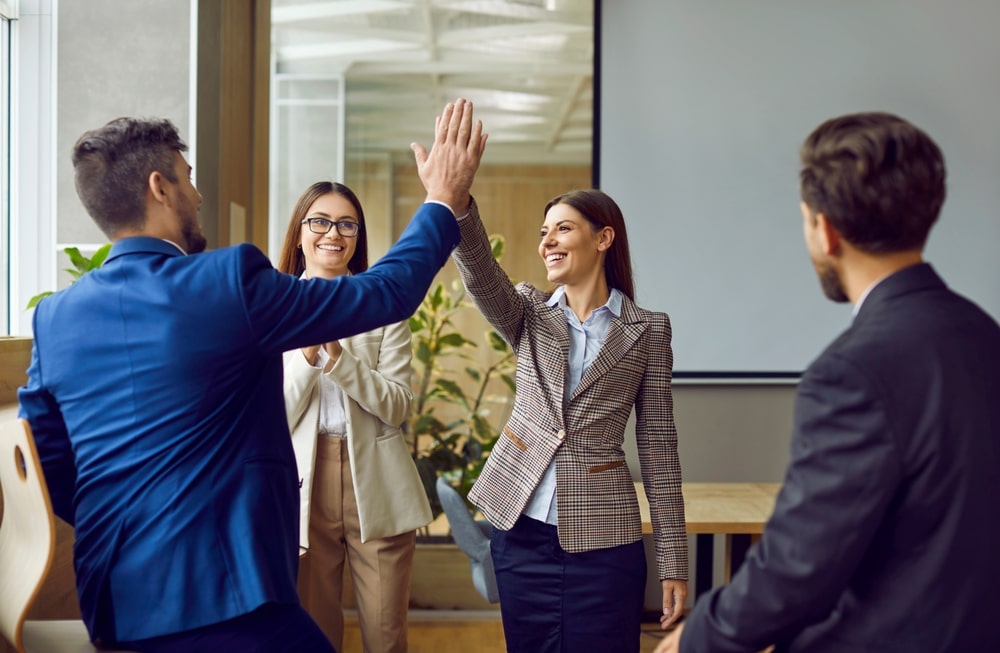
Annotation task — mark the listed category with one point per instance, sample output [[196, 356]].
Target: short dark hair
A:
[[878, 179], [601, 211], [113, 164], [292, 260]]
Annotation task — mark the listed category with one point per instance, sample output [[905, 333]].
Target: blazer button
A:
[[561, 434]]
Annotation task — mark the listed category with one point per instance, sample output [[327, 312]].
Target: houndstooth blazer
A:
[[595, 495]]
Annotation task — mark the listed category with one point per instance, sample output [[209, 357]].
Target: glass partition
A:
[[307, 144]]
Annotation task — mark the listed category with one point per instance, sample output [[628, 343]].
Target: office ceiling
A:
[[527, 65]]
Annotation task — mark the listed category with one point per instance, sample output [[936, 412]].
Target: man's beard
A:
[[194, 241], [830, 282]]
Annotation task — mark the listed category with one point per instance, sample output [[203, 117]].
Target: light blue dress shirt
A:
[[585, 340]]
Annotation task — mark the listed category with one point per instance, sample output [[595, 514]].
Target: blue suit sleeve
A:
[[843, 473], [286, 313], [39, 407]]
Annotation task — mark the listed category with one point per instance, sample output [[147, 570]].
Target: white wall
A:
[[704, 106]]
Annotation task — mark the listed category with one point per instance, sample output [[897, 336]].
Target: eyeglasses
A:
[[345, 228]]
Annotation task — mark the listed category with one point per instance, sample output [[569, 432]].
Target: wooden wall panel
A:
[[233, 119]]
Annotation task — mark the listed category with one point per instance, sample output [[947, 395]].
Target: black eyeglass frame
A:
[[341, 225]]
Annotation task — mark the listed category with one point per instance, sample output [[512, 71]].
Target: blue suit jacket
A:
[[884, 535], [155, 396]]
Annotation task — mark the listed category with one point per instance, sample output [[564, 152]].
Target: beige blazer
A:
[[374, 373], [595, 496]]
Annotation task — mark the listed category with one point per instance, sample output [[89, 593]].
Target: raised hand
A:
[[448, 169]]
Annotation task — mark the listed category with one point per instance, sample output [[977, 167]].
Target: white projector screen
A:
[[703, 105]]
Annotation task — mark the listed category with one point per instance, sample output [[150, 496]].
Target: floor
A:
[[441, 631]]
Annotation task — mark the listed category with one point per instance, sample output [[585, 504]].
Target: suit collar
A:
[[614, 303], [913, 278], [623, 332], [144, 245]]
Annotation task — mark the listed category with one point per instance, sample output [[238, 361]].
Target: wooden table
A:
[[737, 510]]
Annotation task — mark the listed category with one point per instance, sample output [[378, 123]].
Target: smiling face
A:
[[327, 255], [572, 251]]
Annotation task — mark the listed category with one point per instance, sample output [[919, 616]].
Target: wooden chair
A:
[[27, 542]]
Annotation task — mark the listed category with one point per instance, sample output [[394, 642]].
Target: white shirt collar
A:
[[864, 295], [181, 249]]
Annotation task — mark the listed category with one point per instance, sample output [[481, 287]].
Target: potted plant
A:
[[457, 414], [81, 266]]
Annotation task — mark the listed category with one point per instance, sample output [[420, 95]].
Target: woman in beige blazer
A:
[[362, 498], [567, 547]]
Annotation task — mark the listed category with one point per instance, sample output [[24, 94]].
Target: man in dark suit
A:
[[884, 535], [155, 394]]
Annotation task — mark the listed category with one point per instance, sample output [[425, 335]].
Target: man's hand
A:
[[675, 594], [671, 643], [448, 170]]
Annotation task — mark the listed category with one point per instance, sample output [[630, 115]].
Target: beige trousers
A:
[[380, 569]]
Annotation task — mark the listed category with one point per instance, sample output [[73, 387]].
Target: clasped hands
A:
[[333, 351]]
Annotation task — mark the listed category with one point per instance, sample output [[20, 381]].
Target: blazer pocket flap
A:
[[513, 438], [597, 469]]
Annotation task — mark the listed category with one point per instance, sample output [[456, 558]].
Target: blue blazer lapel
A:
[[622, 334]]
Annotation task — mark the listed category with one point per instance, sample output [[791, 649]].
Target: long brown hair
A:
[[292, 260], [601, 211]]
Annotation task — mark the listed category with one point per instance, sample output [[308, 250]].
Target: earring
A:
[[299, 245]]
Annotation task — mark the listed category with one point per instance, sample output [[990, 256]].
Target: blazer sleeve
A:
[[300, 382], [284, 313], [656, 442], [843, 473], [486, 282], [39, 407], [384, 390]]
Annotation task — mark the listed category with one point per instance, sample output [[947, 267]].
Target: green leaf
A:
[[473, 373], [81, 266], [509, 382], [496, 342], [455, 340], [101, 255], [37, 298], [483, 429], [79, 261], [436, 296], [450, 388], [497, 246], [423, 352]]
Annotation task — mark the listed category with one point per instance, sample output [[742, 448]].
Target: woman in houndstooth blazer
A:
[[568, 547]]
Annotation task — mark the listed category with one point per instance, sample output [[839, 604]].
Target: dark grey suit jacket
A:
[[886, 532]]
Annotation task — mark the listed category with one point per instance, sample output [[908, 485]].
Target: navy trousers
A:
[[271, 628], [552, 601]]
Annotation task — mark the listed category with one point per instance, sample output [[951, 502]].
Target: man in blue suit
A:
[[155, 394], [884, 535]]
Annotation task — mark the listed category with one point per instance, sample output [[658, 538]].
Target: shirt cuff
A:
[[322, 358], [457, 217]]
